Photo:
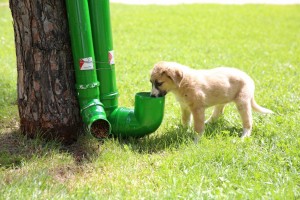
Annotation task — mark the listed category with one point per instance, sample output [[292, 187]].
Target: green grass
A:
[[8, 70], [262, 40]]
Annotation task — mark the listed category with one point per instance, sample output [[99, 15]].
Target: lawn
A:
[[262, 40]]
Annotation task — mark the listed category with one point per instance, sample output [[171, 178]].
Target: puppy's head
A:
[[165, 77]]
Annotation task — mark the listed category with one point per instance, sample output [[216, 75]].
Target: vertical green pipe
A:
[[104, 54], [87, 85], [147, 115]]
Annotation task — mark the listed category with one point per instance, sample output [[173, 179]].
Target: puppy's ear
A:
[[176, 75]]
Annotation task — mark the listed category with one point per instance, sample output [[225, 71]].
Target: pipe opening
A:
[[100, 129], [144, 94]]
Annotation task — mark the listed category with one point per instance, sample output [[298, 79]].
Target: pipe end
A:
[[100, 129], [93, 115]]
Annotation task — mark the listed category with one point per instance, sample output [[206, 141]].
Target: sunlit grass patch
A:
[[262, 40]]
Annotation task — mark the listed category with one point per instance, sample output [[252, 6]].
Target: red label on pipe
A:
[[86, 63], [111, 58]]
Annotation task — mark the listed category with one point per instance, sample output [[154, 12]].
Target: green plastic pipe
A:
[[147, 115], [87, 84], [144, 119], [104, 54]]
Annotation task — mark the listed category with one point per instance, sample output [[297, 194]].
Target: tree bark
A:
[[46, 94]]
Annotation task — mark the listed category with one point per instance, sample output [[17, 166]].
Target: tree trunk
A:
[[46, 94]]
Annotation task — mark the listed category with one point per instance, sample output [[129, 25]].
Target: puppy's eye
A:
[[157, 84]]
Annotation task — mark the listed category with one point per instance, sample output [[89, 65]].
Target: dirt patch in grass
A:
[[65, 173], [83, 151]]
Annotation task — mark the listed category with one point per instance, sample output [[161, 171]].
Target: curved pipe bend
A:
[[144, 119]]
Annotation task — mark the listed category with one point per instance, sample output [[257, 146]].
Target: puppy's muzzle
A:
[[159, 94]]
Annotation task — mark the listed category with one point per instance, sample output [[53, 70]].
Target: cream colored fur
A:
[[197, 90]]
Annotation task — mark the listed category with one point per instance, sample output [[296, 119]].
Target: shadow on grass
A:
[[173, 138], [176, 137], [16, 149], [222, 127]]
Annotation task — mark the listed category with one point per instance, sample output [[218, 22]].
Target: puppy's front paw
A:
[[246, 133], [197, 138]]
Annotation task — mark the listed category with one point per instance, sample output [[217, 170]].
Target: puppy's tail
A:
[[260, 109]]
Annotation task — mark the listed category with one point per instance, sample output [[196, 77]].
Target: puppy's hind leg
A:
[[244, 108], [218, 110]]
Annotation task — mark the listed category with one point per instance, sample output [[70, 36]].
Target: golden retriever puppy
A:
[[197, 90]]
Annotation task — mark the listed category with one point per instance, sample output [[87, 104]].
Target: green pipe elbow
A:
[[144, 119]]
